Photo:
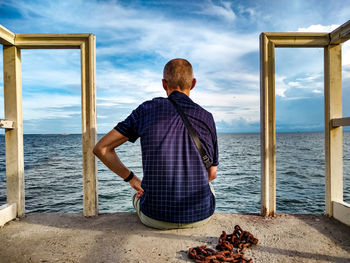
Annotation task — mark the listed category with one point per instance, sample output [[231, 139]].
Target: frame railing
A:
[[331, 42], [13, 123]]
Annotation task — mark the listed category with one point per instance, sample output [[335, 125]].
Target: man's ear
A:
[[194, 81], [165, 85]]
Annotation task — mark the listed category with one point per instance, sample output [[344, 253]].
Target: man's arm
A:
[[212, 173], [104, 150]]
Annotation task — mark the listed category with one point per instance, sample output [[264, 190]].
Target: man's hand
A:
[[135, 183], [212, 173]]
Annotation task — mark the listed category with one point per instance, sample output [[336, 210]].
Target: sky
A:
[[135, 39]]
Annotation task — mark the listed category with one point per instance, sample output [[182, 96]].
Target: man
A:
[[175, 191]]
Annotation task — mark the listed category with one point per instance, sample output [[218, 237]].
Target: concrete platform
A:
[[120, 237]]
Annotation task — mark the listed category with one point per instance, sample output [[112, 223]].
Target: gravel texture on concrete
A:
[[120, 237]]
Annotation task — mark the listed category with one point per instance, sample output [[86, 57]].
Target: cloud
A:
[[223, 10], [48, 106], [318, 28], [51, 68], [302, 86], [280, 85], [112, 102], [125, 31], [299, 86], [231, 107], [135, 40], [346, 53]]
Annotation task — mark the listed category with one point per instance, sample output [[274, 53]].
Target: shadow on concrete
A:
[[121, 223], [336, 231], [121, 236], [121, 230], [302, 255]]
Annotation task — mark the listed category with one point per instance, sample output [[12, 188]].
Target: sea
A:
[[53, 174]]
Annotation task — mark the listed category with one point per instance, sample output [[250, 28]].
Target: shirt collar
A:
[[179, 96]]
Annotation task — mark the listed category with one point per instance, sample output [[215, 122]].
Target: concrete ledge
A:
[[120, 237], [341, 212], [7, 213]]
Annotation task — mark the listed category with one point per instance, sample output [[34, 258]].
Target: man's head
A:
[[178, 75]]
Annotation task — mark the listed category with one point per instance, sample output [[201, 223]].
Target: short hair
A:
[[178, 72]]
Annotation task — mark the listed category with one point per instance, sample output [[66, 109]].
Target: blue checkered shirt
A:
[[175, 180]]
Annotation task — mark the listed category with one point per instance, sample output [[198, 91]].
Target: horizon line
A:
[[65, 134]]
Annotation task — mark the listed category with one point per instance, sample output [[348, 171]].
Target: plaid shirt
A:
[[175, 180]]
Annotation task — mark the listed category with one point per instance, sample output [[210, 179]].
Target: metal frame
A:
[[13, 123], [331, 42]]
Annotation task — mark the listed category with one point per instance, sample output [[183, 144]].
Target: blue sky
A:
[[136, 38]]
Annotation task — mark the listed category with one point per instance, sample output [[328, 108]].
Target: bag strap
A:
[[193, 134]]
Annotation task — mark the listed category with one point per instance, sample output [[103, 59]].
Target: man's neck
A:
[[186, 92]]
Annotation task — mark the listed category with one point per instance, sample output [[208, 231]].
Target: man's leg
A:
[[147, 221]]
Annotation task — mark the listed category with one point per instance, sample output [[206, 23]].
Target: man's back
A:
[[175, 181]]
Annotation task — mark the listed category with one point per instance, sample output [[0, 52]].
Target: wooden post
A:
[[14, 137], [6, 36], [88, 114], [340, 122], [267, 128], [333, 135], [298, 39], [340, 34]]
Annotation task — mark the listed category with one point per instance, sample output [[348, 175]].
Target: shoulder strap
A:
[[193, 134]]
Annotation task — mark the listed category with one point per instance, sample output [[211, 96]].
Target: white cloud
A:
[[346, 53], [51, 68], [309, 81], [214, 51], [134, 43], [222, 11], [280, 85], [132, 85], [294, 84], [112, 102], [47, 106], [124, 31], [318, 28], [228, 107]]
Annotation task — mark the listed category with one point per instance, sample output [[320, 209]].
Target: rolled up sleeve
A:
[[130, 126]]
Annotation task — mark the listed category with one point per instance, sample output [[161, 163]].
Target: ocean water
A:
[[53, 174]]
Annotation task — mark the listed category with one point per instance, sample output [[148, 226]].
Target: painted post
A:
[[14, 137], [333, 135], [89, 133], [267, 122]]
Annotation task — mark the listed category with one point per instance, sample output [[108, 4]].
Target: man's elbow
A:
[[97, 150], [212, 173]]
